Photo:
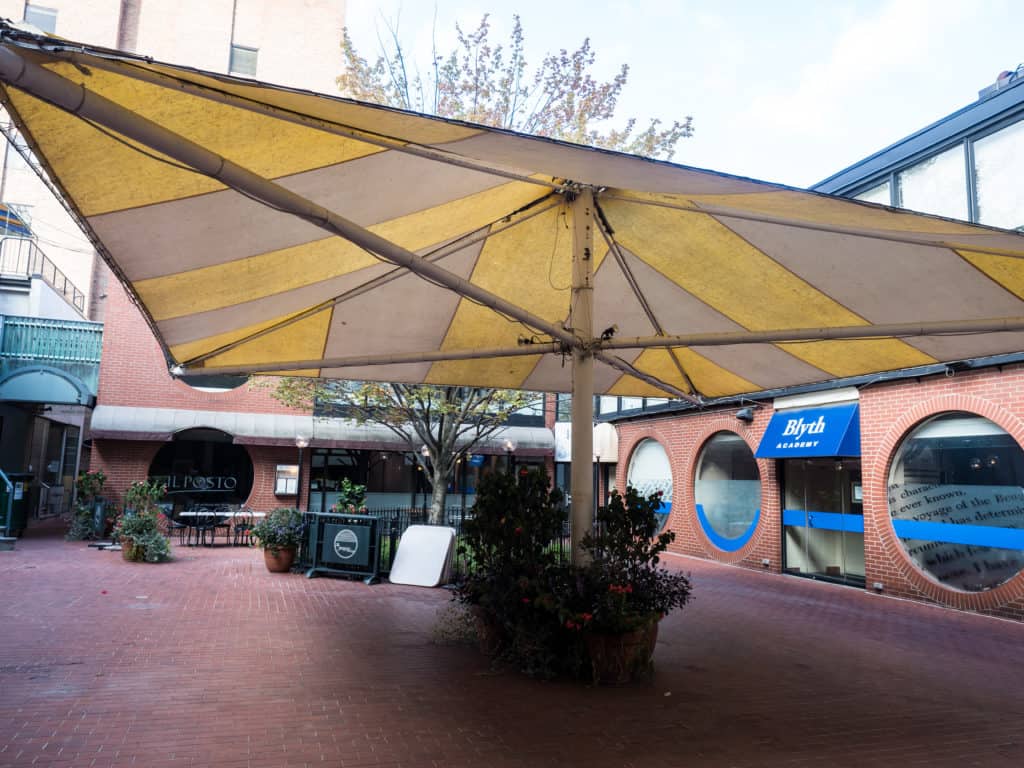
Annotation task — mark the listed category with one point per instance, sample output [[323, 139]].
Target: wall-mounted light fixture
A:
[[745, 414]]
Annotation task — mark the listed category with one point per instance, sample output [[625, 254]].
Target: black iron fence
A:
[[394, 522]]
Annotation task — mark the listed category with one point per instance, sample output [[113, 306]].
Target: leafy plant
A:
[[281, 529], [140, 527], [351, 498], [622, 588], [90, 487], [143, 495], [512, 583]]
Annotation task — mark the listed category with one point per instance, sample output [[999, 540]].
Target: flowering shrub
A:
[[622, 586], [281, 529], [544, 610]]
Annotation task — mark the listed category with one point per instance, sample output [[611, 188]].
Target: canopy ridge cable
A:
[[65, 94], [131, 69], [795, 335], [620, 258], [718, 212]]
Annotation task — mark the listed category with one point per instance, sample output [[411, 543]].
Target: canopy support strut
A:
[[582, 369], [80, 101]]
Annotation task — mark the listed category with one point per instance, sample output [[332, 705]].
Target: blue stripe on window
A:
[[955, 533], [720, 541], [826, 521]]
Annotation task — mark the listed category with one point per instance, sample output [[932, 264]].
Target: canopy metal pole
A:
[[582, 370]]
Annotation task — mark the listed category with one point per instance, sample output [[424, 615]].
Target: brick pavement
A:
[[212, 661]]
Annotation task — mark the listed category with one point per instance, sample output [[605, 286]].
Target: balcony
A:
[[49, 361]]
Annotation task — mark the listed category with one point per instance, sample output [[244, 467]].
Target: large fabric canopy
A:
[[264, 229], [228, 281]]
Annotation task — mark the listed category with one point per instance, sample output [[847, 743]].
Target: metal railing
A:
[[394, 522], [57, 341], [22, 257]]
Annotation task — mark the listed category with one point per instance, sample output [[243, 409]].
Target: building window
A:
[[632, 403], [563, 407], [956, 501], [607, 404], [882, 194], [41, 18], [531, 414], [727, 491], [937, 185], [287, 480], [998, 169], [243, 60], [650, 471]]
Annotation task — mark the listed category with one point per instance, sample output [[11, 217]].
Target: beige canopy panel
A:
[[258, 245]]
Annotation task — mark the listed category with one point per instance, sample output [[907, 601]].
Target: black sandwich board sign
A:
[[344, 545]]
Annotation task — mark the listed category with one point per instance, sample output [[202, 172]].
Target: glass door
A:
[[823, 519]]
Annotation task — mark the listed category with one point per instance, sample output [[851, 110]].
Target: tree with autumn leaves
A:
[[492, 84]]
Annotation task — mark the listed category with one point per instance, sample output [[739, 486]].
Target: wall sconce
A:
[[992, 461], [975, 463], [745, 414]]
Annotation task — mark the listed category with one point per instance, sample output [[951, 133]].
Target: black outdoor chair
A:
[[221, 522], [176, 528], [243, 528]]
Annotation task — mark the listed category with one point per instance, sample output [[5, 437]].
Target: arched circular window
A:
[[727, 491], [956, 501], [650, 472], [203, 466]]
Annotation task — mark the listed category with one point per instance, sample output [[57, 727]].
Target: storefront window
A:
[[956, 501], [727, 491]]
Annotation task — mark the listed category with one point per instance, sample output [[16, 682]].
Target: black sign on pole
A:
[[344, 545]]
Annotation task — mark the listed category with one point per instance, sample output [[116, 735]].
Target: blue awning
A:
[[832, 430]]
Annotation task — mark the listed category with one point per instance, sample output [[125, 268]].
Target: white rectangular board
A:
[[424, 556]]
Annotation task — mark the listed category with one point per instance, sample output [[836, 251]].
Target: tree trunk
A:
[[440, 481]]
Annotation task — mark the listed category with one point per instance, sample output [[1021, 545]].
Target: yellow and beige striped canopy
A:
[[227, 281]]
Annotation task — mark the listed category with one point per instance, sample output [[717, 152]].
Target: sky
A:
[[779, 90]]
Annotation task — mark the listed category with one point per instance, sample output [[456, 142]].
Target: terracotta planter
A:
[[281, 561], [490, 635], [129, 551], [619, 658]]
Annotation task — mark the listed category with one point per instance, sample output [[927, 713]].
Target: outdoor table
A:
[[191, 519]]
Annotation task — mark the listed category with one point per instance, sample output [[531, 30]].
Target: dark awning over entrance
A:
[[829, 431]]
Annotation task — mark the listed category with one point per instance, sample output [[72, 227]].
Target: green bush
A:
[[89, 487]]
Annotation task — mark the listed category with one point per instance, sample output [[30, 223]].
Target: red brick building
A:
[[909, 483]]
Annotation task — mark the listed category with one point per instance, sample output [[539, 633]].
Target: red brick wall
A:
[[887, 413], [682, 438], [133, 371], [126, 461]]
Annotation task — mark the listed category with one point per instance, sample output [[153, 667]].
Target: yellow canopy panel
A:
[[229, 278]]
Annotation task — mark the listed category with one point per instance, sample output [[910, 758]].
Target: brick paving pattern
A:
[[212, 661]]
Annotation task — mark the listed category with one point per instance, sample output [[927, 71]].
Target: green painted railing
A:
[[51, 341], [68, 345]]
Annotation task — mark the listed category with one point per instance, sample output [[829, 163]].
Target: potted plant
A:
[[617, 599], [279, 535], [139, 529]]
